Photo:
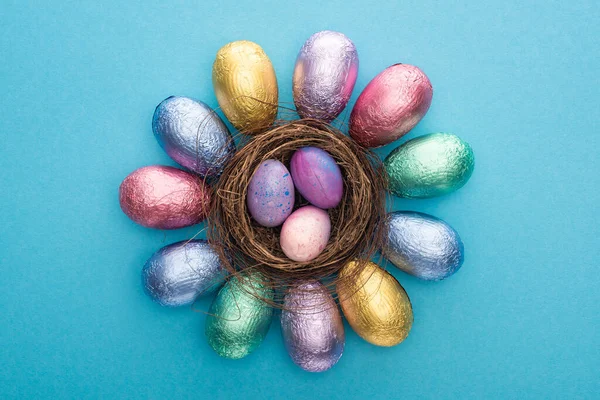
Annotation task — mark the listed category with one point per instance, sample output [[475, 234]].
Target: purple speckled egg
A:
[[270, 196], [390, 106], [305, 233], [317, 177]]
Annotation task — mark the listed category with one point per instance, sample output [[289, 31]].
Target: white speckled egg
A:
[[270, 196], [305, 233]]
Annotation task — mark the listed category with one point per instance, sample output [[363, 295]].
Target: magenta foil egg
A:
[[324, 76], [164, 197], [317, 177], [390, 106], [312, 327]]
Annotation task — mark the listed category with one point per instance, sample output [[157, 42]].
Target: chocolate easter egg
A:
[[317, 177], [245, 85], [429, 165], [422, 245], [390, 105], [324, 76], [374, 303], [270, 197], [239, 318], [312, 327], [164, 197], [178, 273], [305, 233], [193, 135]]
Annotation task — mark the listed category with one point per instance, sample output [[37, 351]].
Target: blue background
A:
[[516, 79]]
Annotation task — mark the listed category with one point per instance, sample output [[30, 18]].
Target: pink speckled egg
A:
[[390, 106], [317, 177], [164, 197], [270, 196], [305, 233]]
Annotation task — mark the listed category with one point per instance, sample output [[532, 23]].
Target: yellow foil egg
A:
[[374, 303], [245, 85]]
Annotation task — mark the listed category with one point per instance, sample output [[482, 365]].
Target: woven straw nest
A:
[[355, 222]]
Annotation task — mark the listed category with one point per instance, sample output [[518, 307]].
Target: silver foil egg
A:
[[324, 75], [422, 245], [312, 327], [193, 135], [178, 273]]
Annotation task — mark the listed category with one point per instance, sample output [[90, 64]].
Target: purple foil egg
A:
[[324, 76], [270, 197], [312, 327], [390, 106], [317, 177]]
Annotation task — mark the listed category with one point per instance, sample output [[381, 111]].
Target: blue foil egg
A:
[[422, 245], [270, 197], [193, 135], [178, 273], [312, 327]]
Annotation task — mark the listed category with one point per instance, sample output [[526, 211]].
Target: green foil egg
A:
[[429, 166], [239, 319]]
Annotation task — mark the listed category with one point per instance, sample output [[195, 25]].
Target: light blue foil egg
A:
[[178, 273], [193, 135], [422, 245]]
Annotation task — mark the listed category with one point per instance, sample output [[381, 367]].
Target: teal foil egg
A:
[[429, 166], [239, 318]]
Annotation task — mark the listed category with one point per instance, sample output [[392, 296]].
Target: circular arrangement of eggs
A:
[[193, 135]]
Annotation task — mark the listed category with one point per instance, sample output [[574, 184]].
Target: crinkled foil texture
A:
[[193, 135], [246, 86], [375, 304], [422, 245], [178, 273], [390, 106], [164, 197], [324, 75], [239, 318], [429, 165], [312, 327]]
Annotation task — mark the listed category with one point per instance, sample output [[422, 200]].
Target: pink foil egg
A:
[[317, 177], [305, 233], [390, 106], [270, 196], [164, 197]]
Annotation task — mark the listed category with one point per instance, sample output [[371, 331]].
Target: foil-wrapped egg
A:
[[164, 197], [178, 273], [305, 233], [239, 318], [390, 106], [429, 165], [270, 197], [193, 135], [422, 245], [374, 303], [312, 327], [317, 177], [245, 85], [324, 76]]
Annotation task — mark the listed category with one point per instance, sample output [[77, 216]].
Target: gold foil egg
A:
[[374, 303], [245, 85]]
